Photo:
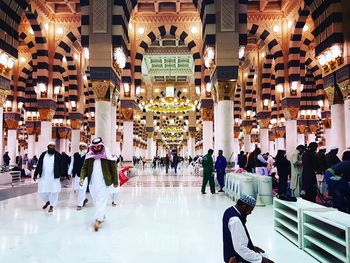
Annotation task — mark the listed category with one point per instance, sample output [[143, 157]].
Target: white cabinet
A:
[[288, 218], [326, 235]]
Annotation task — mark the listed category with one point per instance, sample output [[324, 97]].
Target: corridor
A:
[[159, 218]]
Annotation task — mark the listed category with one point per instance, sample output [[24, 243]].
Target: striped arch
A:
[[308, 38], [248, 98], [237, 103], [162, 31], [11, 14], [243, 20], [42, 68], [266, 78], [85, 22], [274, 108], [295, 44], [316, 71], [24, 74], [273, 47], [308, 95]]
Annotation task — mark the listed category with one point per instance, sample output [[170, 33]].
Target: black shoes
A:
[[204, 193], [50, 209], [85, 201], [46, 205]]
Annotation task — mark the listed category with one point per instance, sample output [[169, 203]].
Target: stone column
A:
[[3, 96], [327, 125], [216, 130], [347, 121], [301, 139], [264, 135], [128, 143], [338, 126], [311, 138], [46, 115], [149, 147], [118, 144], [12, 120], [191, 144], [113, 126], [102, 93], [236, 148], [75, 123], [291, 115], [280, 142], [207, 118], [225, 91]]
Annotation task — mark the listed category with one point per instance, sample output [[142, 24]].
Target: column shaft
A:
[[75, 140], [103, 121], [128, 148], [338, 126], [291, 137], [225, 128], [1, 134], [45, 136], [347, 122], [207, 136], [311, 138], [328, 138], [280, 144], [264, 140], [31, 141], [11, 145], [247, 143], [301, 139]]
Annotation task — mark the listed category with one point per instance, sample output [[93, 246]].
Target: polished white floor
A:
[[159, 219]]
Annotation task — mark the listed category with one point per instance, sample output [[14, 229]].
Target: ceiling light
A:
[[320, 103], [279, 88], [276, 28], [194, 30], [64, 60], [141, 30], [138, 90], [75, 56], [31, 31], [305, 28], [290, 23], [22, 59], [184, 90], [10, 63], [86, 53], [126, 87], [156, 90], [294, 85], [263, 54], [60, 31], [46, 26], [241, 52]]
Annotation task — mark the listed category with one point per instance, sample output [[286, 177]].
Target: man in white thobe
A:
[[76, 163], [49, 171], [100, 167]]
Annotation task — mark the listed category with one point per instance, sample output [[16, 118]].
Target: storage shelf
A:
[[288, 225], [288, 214], [327, 234], [322, 256], [288, 234], [326, 248]]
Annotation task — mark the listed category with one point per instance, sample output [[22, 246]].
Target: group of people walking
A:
[[94, 167]]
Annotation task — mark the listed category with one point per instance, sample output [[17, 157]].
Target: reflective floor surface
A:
[[159, 218]]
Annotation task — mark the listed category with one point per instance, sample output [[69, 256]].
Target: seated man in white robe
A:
[[49, 171]]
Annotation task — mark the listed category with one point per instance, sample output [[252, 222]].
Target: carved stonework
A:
[[264, 123], [3, 96], [92, 130], [236, 134], [271, 136], [280, 132], [327, 123], [127, 114], [101, 90], [75, 124], [11, 124], [30, 130], [191, 134], [46, 114], [301, 129], [225, 89], [291, 113], [248, 128], [313, 128], [207, 114]]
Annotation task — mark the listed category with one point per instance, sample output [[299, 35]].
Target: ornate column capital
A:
[[46, 114], [128, 114], [207, 114], [3, 96], [301, 128], [12, 119], [280, 132], [290, 113], [327, 123], [264, 123], [247, 126], [101, 90], [225, 89]]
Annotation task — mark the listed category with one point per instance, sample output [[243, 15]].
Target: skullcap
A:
[[248, 200]]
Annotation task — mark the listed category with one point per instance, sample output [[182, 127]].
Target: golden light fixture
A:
[[172, 129], [169, 105]]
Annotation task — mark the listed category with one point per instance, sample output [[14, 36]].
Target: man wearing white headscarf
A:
[[100, 167], [49, 170], [77, 161]]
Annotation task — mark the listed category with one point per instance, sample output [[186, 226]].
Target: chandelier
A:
[[172, 129], [170, 103]]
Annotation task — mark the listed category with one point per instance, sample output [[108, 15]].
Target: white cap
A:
[[82, 144], [51, 143]]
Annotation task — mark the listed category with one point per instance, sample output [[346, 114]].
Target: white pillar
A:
[[338, 126], [149, 148], [128, 148], [113, 128], [1, 134], [31, 141], [11, 145], [264, 140], [191, 147], [225, 127], [216, 129], [75, 140], [347, 121], [311, 138], [328, 138], [291, 137], [236, 146], [117, 148], [301, 139], [103, 121], [45, 136], [207, 136], [247, 142], [272, 150], [280, 144], [63, 145], [154, 148]]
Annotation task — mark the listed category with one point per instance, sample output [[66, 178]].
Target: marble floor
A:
[[160, 218]]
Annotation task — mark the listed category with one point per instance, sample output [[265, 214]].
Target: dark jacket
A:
[[78, 162], [229, 250], [283, 166], [57, 165], [309, 170], [242, 160], [321, 162], [220, 164], [332, 159], [109, 170], [6, 159]]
